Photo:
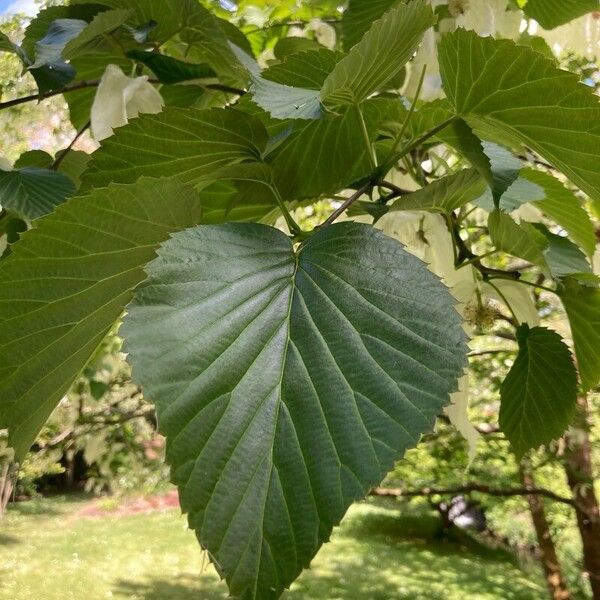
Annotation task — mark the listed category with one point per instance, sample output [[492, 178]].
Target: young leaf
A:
[[539, 394], [379, 56], [532, 102], [287, 382], [67, 282], [308, 69], [582, 304]]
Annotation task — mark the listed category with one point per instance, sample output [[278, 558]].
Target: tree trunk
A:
[[547, 551], [6, 487], [580, 477]]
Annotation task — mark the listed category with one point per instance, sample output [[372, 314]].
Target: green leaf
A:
[[444, 195], [539, 394], [379, 56], [321, 157], [67, 282], [34, 158], [552, 13], [359, 16], [519, 239], [171, 16], [38, 26], [532, 102], [171, 70], [33, 192], [562, 255], [291, 45], [279, 100], [582, 304], [92, 36], [308, 69], [287, 383], [186, 143], [562, 206], [504, 168]]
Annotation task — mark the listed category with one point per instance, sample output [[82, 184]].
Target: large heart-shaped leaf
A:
[[67, 282], [499, 87], [287, 381]]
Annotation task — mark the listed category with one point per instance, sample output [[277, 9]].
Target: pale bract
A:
[[490, 18], [120, 98]]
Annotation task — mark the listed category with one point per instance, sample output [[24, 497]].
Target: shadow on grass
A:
[[185, 588], [381, 555], [8, 540]]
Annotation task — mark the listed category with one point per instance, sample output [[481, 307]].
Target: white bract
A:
[[120, 98]]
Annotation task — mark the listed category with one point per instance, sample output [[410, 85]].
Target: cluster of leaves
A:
[[291, 372]]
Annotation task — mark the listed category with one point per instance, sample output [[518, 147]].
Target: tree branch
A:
[[338, 211], [82, 85], [472, 487]]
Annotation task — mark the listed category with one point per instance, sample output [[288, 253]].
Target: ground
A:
[[76, 549]]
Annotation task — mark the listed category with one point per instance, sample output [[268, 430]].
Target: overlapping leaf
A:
[[444, 195], [532, 102], [32, 191], [67, 282], [582, 304], [287, 383], [359, 16], [540, 391], [379, 56], [552, 13], [186, 143]]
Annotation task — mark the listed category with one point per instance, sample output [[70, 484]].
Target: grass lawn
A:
[[49, 552]]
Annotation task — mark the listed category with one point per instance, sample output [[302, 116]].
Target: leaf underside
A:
[[287, 383]]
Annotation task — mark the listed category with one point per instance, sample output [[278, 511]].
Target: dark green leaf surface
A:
[[582, 304], [169, 69], [33, 192], [67, 282], [539, 393], [307, 69], [186, 143], [287, 384], [532, 102], [359, 16], [379, 56]]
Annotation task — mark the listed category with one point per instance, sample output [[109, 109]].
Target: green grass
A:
[[48, 552]]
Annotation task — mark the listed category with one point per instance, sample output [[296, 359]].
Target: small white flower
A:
[[120, 98], [489, 18]]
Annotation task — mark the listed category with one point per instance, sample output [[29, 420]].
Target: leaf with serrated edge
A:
[[379, 56], [287, 383], [532, 102], [539, 393], [67, 282], [582, 304]]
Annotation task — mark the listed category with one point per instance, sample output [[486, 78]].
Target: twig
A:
[[82, 85], [57, 162], [338, 211], [472, 487]]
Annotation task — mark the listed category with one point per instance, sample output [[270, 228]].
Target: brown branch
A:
[[472, 487], [82, 85], [338, 211], [58, 160]]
